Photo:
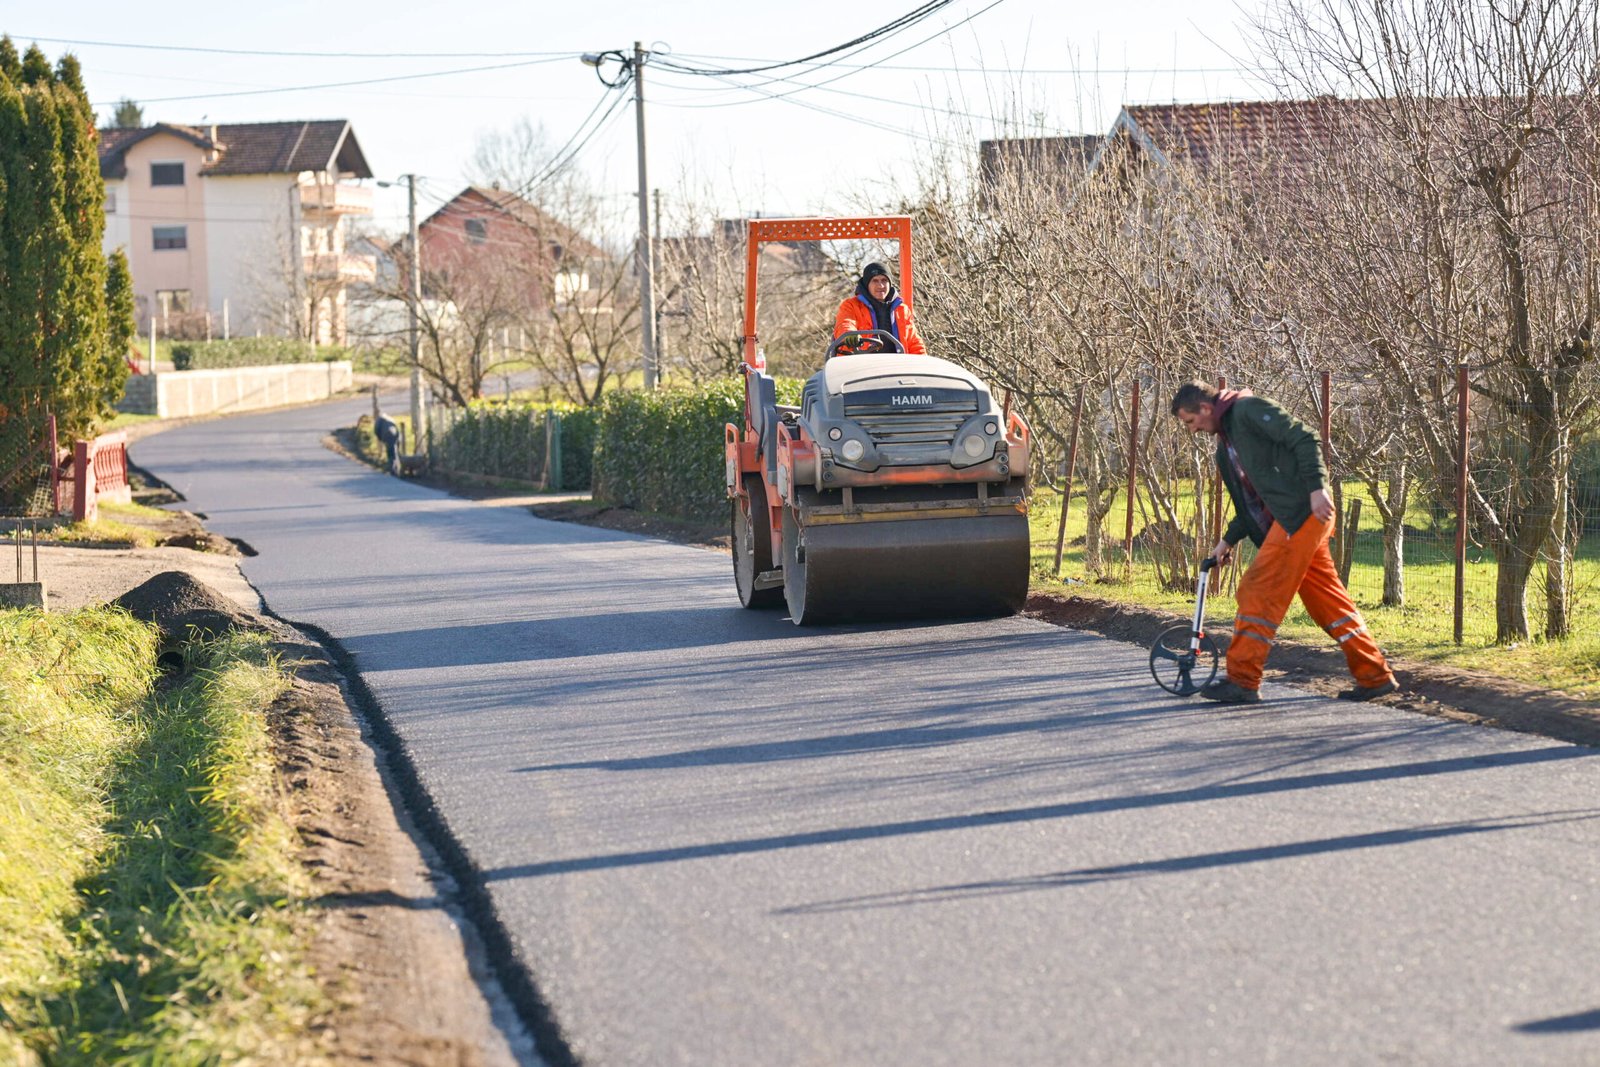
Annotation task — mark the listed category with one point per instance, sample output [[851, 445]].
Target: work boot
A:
[[1369, 692], [1227, 691]]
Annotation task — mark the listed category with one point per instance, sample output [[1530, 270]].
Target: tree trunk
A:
[[1394, 563], [1394, 538], [1510, 595]]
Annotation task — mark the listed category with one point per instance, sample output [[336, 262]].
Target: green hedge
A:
[[501, 440], [662, 451], [250, 352]]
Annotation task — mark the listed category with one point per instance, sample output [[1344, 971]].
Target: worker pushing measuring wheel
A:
[[1272, 466]]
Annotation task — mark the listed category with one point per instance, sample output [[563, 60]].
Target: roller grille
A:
[[924, 435]]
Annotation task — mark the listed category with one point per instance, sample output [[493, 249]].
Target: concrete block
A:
[[22, 595]]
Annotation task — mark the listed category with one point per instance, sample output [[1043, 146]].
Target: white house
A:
[[238, 228]]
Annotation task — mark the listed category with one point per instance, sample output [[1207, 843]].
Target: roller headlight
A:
[[834, 433], [991, 428], [973, 445], [853, 450]]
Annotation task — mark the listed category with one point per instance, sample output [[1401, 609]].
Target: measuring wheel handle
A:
[[1184, 659]]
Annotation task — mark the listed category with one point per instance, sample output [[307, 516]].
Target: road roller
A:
[[897, 488]]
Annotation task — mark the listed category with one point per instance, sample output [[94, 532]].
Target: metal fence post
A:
[[1461, 501], [54, 444], [1133, 474], [1215, 581], [555, 463], [1066, 490]]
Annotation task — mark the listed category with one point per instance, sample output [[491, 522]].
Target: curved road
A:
[[709, 837]]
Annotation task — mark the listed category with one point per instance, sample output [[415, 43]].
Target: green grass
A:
[[148, 885], [1422, 629], [125, 419], [115, 524]]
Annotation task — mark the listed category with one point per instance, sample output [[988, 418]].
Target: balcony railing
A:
[[335, 198], [330, 266]]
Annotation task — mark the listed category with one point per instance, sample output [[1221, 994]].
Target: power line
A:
[[917, 68], [888, 29], [739, 87], [343, 85], [297, 54]]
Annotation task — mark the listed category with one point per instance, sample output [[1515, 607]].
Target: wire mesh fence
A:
[[550, 445]]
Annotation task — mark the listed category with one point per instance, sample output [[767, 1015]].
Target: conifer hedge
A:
[[66, 315], [662, 451]]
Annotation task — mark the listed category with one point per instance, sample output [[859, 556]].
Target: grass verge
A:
[[148, 882]]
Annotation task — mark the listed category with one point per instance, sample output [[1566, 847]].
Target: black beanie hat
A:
[[871, 271]]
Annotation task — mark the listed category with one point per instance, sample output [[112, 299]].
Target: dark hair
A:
[[1191, 395]]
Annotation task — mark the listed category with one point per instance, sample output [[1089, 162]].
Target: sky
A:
[[423, 83]]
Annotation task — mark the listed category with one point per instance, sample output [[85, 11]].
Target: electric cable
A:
[[294, 54], [340, 85], [905, 21]]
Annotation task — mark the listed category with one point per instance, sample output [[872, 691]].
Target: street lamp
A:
[[413, 304], [634, 66]]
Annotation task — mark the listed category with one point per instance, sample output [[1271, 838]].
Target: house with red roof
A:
[[497, 235], [1288, 135], [238, 229]]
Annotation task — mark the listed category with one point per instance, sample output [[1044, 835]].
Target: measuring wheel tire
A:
[[1178, 670], [752, 545]]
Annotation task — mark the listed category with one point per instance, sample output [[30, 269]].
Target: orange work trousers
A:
[[1284, 566]]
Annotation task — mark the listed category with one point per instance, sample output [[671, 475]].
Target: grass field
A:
[[1421, 629], [147, 872]]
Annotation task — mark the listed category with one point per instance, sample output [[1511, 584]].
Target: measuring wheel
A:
[[1181, 665]]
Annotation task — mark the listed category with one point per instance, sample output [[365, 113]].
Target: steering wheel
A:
[[865, 341]]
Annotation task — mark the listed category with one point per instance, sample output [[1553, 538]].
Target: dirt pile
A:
[[178, 604]]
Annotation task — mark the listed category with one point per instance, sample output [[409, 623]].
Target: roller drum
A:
[[921, 568]]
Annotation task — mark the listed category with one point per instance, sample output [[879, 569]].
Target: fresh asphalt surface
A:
[[712, 837]]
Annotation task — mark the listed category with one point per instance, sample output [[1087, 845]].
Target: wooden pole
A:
[[1216, 509], [54, 444], [1133, 472], [1327, 421], [1461, 500], [1066, 490]]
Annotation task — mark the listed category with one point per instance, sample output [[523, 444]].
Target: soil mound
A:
[[177, 603]]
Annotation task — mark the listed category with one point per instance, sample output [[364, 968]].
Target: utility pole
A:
[[414, 306], [646, 266]]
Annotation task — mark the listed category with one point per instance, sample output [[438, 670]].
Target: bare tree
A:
[[1460, 225]]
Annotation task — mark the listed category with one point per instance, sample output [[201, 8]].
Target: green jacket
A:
[[1281, 457]]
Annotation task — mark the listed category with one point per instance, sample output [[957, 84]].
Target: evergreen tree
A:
[[128, 116], [65, 318]]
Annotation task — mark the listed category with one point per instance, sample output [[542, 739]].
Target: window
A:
[[477, 231], [172, 301], [111, 201], [170, 237], [166, 173], [569, 283]]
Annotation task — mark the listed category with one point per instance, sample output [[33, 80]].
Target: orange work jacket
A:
[[855, 316]]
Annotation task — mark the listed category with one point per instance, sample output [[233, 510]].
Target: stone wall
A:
[[177, 394]]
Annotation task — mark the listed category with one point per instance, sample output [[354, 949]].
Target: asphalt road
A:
[[714, 838]]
